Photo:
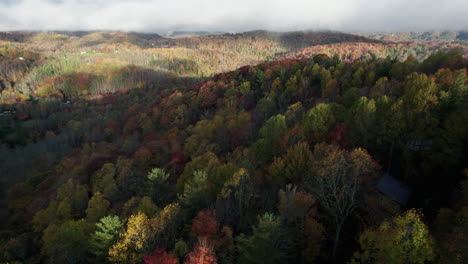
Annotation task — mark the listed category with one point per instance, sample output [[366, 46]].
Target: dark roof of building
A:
[[395, 189]]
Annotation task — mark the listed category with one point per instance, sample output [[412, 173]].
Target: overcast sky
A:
[[234, 15]]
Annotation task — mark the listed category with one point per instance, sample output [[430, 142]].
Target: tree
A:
[[216, 172], [294, 113], [158, 187], [55, 213], [205, 225], [165, 226], [361, 120], [452, 88], [337, 179], [319, 120], [296, 208], [103, 181], [104, 237], [158, 176], [160, 256], [98, 207], [180, 249], [235, 200], [201, 254], [67, 243], [358, 77], [130, 207], [325, 77], [419, 99], [380, 88], [226, 249], [276, 172], [142, 156], [451, 228], [452, 59], [297, 161], [72, 199], [273, 128], [267, 106], [239, 127], [314, 234], [147, 207], [331, 91], [269, 145], [404, 239], [127, 182], [195, 195], [133, 242], [294, 205], [207, 135], [205, 162], [293, 92], [14, 249], [76, 195], [264, 245]]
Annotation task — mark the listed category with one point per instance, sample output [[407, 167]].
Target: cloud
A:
[[233, 15]]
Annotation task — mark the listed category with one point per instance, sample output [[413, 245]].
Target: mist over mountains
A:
[[233, 16]]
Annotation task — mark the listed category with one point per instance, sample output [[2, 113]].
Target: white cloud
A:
[[233, 15]]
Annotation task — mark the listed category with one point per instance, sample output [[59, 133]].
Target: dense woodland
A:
[[237, 148]]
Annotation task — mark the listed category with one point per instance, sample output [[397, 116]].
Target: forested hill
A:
[[277, 163], [363, 50], [110, 160], [86, 64], [80, 64]]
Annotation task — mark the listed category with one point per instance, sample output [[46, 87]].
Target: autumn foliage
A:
[[205, 225], [160, 256], [201, 254], [233, 148]]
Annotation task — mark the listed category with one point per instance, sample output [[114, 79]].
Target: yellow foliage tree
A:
[[132, 243], [403, 240]]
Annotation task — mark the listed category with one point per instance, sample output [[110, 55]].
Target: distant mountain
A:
[[350, 51], [420, 36], [72, 33], [288, 40], [309, 38], [146, 36], [188, 33], [462, 35], [301, 39], [15, 36]]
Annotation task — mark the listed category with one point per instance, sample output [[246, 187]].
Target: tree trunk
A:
[[336, 240]]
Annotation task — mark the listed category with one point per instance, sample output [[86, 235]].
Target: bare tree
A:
[[337, 178]]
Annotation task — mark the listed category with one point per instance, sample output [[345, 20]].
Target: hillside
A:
[[350, 51], [235, 148], [75, 64], [36, 65]]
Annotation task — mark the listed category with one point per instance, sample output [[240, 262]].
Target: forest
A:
[[250, 148]]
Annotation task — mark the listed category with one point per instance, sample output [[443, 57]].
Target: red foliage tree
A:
[[205, 225], [143, 154], [202, 254], [339, 136], [292, 137], [160, 256]]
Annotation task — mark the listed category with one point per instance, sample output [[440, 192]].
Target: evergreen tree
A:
[[107, 230], [264, 245]]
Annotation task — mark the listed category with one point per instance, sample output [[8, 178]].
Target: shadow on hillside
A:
[[25, 156], [181, 66], [302, 39]]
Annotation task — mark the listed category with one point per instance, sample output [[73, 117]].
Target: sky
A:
[[162, 16]]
